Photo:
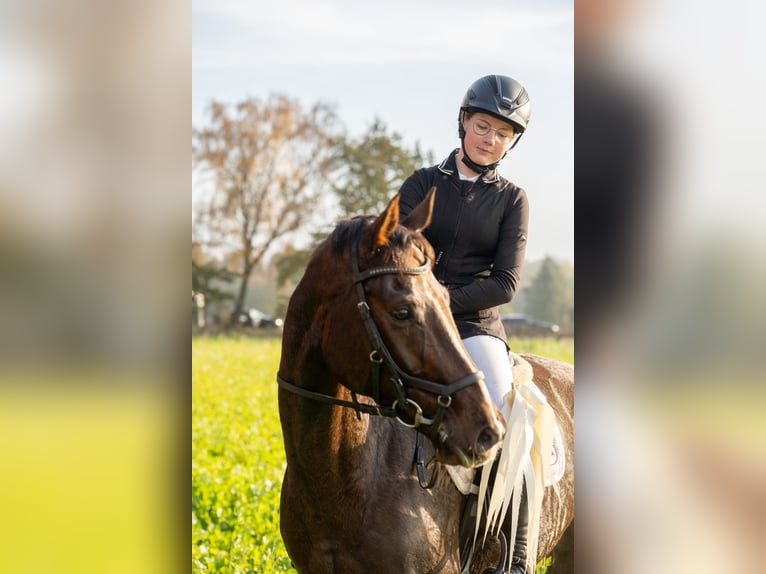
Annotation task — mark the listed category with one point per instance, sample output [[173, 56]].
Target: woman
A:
[[479, 231]]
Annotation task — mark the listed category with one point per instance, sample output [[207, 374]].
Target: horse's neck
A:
[[337, 441]]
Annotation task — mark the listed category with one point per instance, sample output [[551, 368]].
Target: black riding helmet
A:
[[501, 97]]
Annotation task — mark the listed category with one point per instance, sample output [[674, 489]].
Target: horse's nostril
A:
[[487, 439]]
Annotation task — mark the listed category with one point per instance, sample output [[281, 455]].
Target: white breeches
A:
[[492, 358]]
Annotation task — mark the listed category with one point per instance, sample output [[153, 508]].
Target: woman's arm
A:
[[501, 285]]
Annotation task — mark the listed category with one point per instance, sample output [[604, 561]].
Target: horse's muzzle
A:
[[482, 448]]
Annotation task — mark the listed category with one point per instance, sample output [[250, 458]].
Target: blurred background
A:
[[94, 211], [668, 287], [668, 211]]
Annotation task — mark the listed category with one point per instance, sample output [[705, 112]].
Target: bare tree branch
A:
[[270, 162]]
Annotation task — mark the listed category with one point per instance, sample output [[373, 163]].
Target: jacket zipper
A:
[[463, 197]]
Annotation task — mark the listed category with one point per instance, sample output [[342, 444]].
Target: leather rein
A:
[[380, 356]]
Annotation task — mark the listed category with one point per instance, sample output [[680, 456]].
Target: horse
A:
[[371, 360]]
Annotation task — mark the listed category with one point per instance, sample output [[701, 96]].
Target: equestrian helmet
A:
[[501, 97]]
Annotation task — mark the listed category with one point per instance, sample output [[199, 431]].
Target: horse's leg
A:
[[563, 553]]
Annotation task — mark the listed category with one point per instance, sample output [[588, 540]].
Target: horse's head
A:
[[425, 370]]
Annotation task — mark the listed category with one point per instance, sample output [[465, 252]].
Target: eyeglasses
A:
[[482, 128]]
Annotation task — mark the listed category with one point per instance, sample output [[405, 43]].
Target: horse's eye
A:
[[401, 314]]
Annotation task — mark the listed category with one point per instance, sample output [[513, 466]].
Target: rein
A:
[[380, 355]]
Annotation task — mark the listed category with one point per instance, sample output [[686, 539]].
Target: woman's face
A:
[[488, 148]]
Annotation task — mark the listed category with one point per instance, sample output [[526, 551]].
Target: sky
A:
[[408, 64]]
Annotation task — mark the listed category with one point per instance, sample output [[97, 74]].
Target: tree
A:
[[205, 276], [368, 172], [269, 163], [546, 297], [371, 169]]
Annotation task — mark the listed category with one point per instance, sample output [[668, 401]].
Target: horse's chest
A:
[[401, 529]]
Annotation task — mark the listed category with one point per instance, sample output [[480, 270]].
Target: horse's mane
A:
[[346, 231]]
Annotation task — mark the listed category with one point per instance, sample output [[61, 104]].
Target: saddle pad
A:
[[558, 462], [463, 477]]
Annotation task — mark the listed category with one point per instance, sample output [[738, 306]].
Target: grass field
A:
[[237, 454], [562, 349]]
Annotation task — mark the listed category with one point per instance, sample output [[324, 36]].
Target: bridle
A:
[[380, 356]]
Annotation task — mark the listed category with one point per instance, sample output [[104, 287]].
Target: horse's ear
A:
[[419, 218], [386, 223]]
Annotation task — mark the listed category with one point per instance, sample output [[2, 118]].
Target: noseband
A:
[[380, 355]]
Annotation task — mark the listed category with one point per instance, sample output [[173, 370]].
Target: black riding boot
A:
[[519, 558]]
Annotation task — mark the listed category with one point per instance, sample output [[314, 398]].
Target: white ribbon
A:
[[525, 457]]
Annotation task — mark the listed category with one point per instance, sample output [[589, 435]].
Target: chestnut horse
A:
[[371, 358]]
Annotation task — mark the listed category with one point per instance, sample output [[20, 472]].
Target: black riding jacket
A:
[[479, 233]]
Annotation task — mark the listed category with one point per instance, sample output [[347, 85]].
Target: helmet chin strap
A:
[[480, 169]]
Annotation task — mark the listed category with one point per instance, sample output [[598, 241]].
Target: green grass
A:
[[237, 452], [237, 457], [562, 348]]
